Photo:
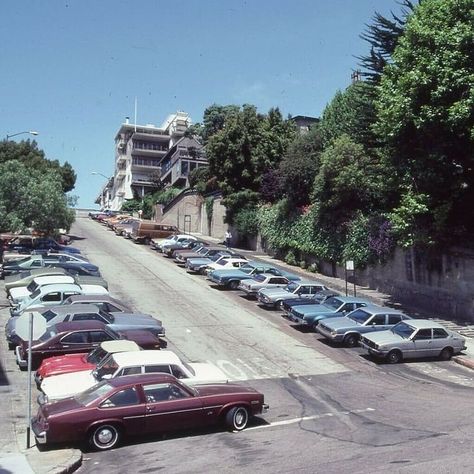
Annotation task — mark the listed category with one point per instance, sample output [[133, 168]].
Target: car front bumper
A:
[[372, 350], [21, 362], [329, 335]]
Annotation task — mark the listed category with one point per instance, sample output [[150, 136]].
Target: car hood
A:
[[66, 385], [135, 320], [64, 364], [207, 373], [314, 309], [142, 337], [341, 323], [275, 292], [219, 389], [230, 273], [385, 337], [199, 261], [188, 254]]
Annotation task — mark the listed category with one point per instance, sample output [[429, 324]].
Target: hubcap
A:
[[105, 436]]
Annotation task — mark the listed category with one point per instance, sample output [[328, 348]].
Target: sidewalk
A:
[[14, 456], [382, 299]]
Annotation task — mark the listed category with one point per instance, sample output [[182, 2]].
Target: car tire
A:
[[279, 305], [314, 326], [105, 437], [446, 354], [394, 357], [234, 284], [237, 418], [351, 340]]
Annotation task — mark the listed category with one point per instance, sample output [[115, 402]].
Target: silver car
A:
[[251, 286], [274, 297], [413, 339]]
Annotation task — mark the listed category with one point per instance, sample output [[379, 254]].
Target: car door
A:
[[128, 406], [169, 406], [375, 323], [74, 342], [423, 343]]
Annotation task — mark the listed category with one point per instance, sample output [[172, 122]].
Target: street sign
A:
[[22, 327], [350, 265]]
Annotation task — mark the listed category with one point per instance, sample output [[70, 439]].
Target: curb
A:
[[72, 464], [464, 361]]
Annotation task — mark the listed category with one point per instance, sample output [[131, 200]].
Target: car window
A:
[[86, 317], [36, 263], [280, 281], [49, 315], [149, 369], [131, 370], [439, 333], [56, 296], [236, 264], [304, 290], [110, 308], [347, 307], [163, 392], [99, 336], [359, 315], [67, 294], [378, 320], [178, 372], [79, 337], [260, 278], [394, 318], [423, 334], [123, 398]]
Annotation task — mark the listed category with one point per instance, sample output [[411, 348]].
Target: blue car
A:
[[231, 278]]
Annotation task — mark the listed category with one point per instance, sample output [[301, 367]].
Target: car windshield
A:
[[333, 303], [113, 334], [291, 287], [35, 293], [217, 257], [248, 269], [403, 330], [202, 251], [97, 391], [20, 261], [95, 356], [260, 277], [222, 261], [49, 334], [359, 316], [32, 286], [107, 316], [107, 366], [49, 315]]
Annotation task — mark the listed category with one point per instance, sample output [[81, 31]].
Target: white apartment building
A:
[[139, 150]]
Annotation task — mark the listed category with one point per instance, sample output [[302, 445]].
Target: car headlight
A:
[[333, 333]]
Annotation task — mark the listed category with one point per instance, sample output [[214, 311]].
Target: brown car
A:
[[79, 336], [144, 404], [144, 231]]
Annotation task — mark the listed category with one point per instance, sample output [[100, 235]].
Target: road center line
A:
[[310, 417]]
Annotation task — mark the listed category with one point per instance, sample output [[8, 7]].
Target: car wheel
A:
[[446, 353], [314, 326], [233, 285], [394, 357], [351, 340], [237, 418], [105, 437], [279, 305]]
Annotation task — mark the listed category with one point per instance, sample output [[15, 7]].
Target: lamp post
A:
[[31, 132], [96, 173]]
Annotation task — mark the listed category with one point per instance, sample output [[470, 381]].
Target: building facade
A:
[[139, 150]]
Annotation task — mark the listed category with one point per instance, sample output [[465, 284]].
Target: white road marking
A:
[[310, 417]]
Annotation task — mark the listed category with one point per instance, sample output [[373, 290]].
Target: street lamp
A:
[[96, 173], [31, 132], [100, 174]]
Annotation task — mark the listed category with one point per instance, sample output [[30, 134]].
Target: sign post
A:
[[30, 326], [350, 268]]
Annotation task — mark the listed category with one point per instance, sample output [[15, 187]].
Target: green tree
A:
[[426, 115], [32, 198]]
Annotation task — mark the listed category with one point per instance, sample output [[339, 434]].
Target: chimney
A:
[[127, 120]]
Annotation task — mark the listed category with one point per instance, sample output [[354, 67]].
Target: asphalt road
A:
[[331, 409]]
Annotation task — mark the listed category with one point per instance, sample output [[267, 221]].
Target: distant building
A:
[[139, 150], [304, 122], [104, 197]]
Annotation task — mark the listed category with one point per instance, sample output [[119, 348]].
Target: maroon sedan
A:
[[79, 336], [144, 404]]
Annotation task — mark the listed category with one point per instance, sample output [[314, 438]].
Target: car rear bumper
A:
[[21, 362], [39, 432]]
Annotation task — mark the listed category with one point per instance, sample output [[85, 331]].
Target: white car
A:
[[225, 263], [158, 244], [17, 295], [129, 363], [51, 295], [251, 286]]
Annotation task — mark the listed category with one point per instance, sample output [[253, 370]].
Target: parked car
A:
[[124, 227], [69, 363], [318, 298], [158, 243], [18, 294], [414, 339], [334, 307], [26, 277], [143, 231], [170, 250], [227, 262], [274, 297], [89, 312], [51, 295], [129, 363], [76, 337], [26, 244], [134, 403], [204, 251], [231, 278], [199, 264], [348, 329], [31, 262], [251, 286]]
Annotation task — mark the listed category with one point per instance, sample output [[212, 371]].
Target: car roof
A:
[[78, 325], [146, 357], [120, 345], [61, 287], [352, 299], [97, 298], [51, 279], [424, 324], [268, 275], [309, 282], [156, 377], [375, 308], [73, 309]]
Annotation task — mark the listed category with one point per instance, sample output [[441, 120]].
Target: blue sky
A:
[[71, 69]]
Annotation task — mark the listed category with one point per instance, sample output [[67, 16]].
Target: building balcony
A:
[[147, 152], [120, 174], [121, 158]]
